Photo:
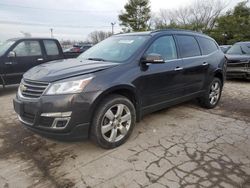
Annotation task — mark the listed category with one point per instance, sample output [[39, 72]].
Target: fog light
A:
[[60, 123], [61, 119]]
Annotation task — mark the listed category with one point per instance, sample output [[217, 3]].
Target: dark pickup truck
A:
[[19, 55]]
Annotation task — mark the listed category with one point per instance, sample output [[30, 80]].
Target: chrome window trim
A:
[[199, 55]]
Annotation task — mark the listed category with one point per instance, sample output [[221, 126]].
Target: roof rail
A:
[[174, 29]]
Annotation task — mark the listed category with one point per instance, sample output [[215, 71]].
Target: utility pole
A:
[[112, 25], [51, 32]]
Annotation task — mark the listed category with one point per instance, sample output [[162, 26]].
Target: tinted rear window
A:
[[188, 46], [51, 47], [207, 46]]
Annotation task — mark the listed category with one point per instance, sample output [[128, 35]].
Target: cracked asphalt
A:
[[182, 146]]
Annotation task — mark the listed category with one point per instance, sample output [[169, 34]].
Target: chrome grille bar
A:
[[32, 89]]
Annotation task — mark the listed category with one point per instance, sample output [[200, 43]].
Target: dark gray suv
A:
[[103, 92]]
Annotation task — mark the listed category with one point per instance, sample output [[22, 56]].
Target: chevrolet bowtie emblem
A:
[[23, 87]]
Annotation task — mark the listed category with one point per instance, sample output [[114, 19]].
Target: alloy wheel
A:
[[214, 93], [116, 123]]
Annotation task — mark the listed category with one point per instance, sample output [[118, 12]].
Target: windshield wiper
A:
[[96, 59]]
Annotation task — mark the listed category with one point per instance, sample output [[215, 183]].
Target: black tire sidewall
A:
[[107, 103]]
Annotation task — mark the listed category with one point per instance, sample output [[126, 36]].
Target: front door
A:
[[28, 54], [160, 83]]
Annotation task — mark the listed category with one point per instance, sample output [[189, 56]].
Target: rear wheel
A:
[[212, 94], [113, 121]]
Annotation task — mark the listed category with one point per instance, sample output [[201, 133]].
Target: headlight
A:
[[68, 87]]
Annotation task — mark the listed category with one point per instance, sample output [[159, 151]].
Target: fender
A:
[[122, 89], [219, 73], [2, 80]]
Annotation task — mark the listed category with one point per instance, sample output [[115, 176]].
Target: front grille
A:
[[237, 63], [32, 89]]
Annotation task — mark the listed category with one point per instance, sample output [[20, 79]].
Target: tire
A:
[[109, 128], [206, 101]]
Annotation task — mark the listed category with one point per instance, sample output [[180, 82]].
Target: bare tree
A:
[[161, 19], [181, 15], [25, 34], [98, 36], [165, 16], [200, 15], [204, 13]]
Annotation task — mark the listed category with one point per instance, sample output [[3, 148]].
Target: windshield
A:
[[116, 49], [5, 46], [239, 49]]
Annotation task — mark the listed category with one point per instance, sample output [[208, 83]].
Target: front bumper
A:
[[60, 116], [238, 70]]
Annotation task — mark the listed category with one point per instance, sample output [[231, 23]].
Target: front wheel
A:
[[212, 95], [113, 121]]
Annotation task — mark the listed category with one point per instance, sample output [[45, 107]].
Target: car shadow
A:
[[8, 90], [241, 80]]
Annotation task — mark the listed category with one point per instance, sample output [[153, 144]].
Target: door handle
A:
[[204, 63], [40, 59], [178, 68], [8, 63]]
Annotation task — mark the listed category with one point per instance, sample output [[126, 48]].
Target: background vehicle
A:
[[19, 55], [76, 50], [238, 65], [225, 48], [106, 89]]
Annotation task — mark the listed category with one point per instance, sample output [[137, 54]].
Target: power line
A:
[[112, 25], [54, 25], [58, 10]]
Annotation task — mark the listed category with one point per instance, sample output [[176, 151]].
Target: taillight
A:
[[76, 50]]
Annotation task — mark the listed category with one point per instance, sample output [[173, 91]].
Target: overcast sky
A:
[[70, 19]]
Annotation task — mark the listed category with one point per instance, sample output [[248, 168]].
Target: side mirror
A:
[[12, 54], [153, 58]]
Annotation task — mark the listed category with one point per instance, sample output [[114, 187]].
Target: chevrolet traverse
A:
[[102, 93]]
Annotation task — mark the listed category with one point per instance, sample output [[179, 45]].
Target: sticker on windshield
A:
[[126, 41]]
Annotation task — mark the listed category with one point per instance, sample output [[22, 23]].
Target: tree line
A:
[[205, 16]]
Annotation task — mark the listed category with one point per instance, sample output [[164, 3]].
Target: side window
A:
[[245, 49], [207, 46], [51, 47], [188, 46], [165, 46], [28, 48], [235, 49]]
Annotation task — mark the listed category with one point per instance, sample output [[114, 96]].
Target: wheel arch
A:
[[127, 91], [2, 81], [219, 74]]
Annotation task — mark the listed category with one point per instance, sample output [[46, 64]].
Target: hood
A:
[[237, 58], [61, 69]]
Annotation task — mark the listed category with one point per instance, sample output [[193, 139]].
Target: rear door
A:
[[28, 54], [194, 66], [52, 50], [211, 54]]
